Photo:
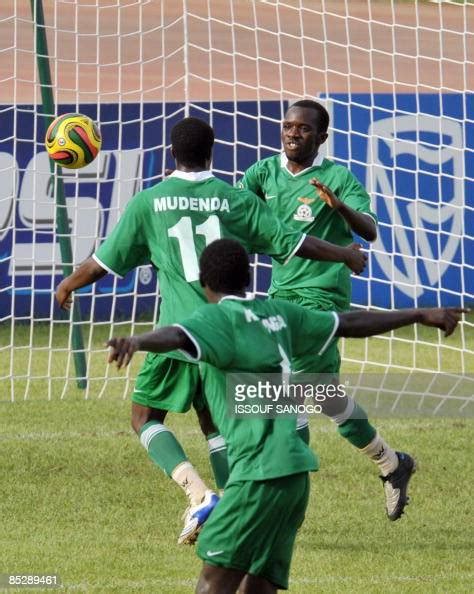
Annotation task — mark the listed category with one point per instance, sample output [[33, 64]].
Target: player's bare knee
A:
[[203, 586], [218, 580], [252, 584], [136, 423], [343, 411], [143, 414], [331, 406], [205, 583], [205, 421]]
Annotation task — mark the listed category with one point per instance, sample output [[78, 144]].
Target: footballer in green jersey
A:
[[293, 199], [314, 195], [248, 539], [169, 225], [285, 182]]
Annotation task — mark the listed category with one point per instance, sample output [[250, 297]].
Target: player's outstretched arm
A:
[[162, 340], [314, 248], [87, 273], [359, 222], [360, 324]]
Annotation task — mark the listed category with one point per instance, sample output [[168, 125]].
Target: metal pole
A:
[[63, 231]]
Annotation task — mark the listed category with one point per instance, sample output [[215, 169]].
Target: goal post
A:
[[395, 78], [62, 222]]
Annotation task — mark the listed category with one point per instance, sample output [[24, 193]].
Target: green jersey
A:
[[295, 202], [252, 335], [170, 224]]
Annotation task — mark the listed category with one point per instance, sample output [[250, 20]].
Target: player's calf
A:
[[166, 452]]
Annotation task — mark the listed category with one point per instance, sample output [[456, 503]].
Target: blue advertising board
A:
[[415, 154]]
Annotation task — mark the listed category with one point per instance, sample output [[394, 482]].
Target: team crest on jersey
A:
[[304, 212]]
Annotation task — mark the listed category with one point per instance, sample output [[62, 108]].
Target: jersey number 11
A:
[[183, 231]]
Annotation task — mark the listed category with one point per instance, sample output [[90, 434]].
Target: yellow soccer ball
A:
[[73, 140]]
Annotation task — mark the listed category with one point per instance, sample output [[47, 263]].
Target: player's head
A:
[[224, 268], [304, 130], [192, 140]]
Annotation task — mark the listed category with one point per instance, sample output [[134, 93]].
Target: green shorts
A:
[[330, 360], [168, 384], [253, 528]]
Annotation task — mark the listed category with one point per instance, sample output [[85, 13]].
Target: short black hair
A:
[[224, 266], [322, 114], [192, 140]]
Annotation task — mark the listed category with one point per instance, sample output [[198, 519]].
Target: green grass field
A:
[[79, 497], [40, 365]]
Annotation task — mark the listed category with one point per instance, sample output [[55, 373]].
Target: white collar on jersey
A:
[[248, 297], [318, 160], [192, 175]]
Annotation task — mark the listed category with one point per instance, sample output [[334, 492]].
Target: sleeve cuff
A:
[[372, 216], [104, 266], [195, 343], [297, 247], [333, 332]]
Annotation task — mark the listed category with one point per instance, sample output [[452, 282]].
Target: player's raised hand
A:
[[87, 273], [64, 295], [326, 194], [356, 259], [122, 350], [444, 318]]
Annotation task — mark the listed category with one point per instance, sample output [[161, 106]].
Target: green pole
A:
[[63, 231]]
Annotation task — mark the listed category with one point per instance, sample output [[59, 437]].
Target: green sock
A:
[[218, 458], [303, 432], [357, 429], [162, 446]]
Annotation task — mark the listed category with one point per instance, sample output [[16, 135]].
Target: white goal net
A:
[[396, 79]]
